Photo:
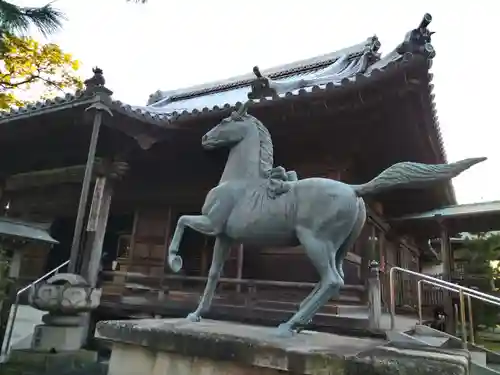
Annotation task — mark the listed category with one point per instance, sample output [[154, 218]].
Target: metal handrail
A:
[[463, 291], [456, 290], [16, 303]]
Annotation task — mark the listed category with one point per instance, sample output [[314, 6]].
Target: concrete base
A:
[[57, 338], [28, 361], [175, 346]]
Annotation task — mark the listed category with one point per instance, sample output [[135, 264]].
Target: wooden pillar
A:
[[96, 229], [382, 251], [7, 292], [2, 198], [384, 280], [137, 215], [204, 258], [239, 265], [374, 296], [82, 205], [95, 86], [365, 253], [446, 260], [10, 265], [98, 219], [373, 243]]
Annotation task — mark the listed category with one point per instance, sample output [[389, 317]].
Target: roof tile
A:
[[313, 75]]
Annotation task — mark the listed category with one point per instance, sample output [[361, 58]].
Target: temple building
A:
[[345, 115]]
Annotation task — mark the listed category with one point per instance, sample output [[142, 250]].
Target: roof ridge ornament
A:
[[260, 86], [372, 48], [155, 97], [347, 63], [418, 41], [95, 84]]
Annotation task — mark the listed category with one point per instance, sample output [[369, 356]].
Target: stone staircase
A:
[[481, 360]]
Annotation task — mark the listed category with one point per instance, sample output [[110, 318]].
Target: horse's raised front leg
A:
[[199, 223], [221, 251]]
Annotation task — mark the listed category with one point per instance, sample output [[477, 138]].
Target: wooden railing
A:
[[250, 283], [253, 293], [247, 293]]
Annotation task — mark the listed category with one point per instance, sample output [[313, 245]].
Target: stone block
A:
[[176, 346], [57, 338], [411, 361], [29, 356]]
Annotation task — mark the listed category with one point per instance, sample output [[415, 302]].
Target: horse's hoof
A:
[[193, 317], [284, 330], [175, 263], [303, 325]]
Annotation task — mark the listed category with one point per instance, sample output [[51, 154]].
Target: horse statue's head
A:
[[230, 130], [250, 140]]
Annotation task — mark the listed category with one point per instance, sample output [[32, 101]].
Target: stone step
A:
[[478, 357], [423, 336], [434, 341], [494, 366], [348, 310], [477, 369]]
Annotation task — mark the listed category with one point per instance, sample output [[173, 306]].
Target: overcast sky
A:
[[167, 44]]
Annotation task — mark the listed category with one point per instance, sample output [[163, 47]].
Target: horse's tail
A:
[[413, 175]]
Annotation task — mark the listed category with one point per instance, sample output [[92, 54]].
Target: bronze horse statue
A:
[[257, 204]]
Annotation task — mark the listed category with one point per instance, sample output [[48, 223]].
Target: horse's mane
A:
[[266, 146]]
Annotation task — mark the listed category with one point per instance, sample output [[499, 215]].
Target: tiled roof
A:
[[480, 208], [49, 105], [26, 230], [350, 66], [297, 68], [80, 98], [220, 94], [327, 72]]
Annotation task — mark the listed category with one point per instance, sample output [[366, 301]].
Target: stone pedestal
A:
[[48, 338], [176, 346], [31, 362]]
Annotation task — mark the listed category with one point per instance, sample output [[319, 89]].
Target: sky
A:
[[168, 44]]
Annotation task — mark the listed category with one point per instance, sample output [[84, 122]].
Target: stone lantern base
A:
[[57, 339], [68, 299]]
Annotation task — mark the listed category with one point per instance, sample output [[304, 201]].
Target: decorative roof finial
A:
[[260, 86], [418, 40], [371, 49], [95, 85]]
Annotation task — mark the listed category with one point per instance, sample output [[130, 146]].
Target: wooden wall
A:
[[148, 243], [33, 262], [153, 228]]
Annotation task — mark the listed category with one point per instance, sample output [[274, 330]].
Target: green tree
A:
[[16, 20], [28, 64], [478, 255]]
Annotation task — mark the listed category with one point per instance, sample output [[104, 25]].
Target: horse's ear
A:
[[244, 108]]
